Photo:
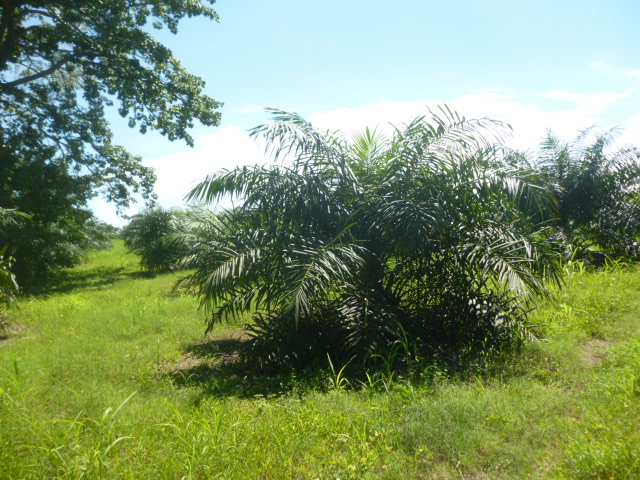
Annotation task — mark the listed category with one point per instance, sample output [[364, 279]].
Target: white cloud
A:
[[179, 172], [528, 118], [107, 213], [565, 113], [633, 74], [631, 132], [587, 104], [381, 114]]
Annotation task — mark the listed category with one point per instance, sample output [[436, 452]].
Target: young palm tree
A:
[[146, 235], [597, 192], [350, 249]]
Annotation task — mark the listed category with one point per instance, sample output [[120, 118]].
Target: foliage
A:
[[8, 288], [42, 247], [8, 285], [597, 190], [347, 248], [196, 233], [11, 216], [61, 243], [99, 234], [167, 240], [61, 64], [146, 235]]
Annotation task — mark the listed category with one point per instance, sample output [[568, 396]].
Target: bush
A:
[[147, 235], [8, 289]]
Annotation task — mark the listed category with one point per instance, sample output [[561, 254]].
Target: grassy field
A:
[[110, 377]]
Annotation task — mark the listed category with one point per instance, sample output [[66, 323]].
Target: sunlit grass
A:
[[111, 378]]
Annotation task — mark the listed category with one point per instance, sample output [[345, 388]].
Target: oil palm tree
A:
[[597, 189], [146, 235], [351, 248]]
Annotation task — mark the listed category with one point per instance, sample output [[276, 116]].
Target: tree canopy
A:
[[62, 63]]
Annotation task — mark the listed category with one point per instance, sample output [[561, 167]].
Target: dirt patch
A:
[[185, 363], [594, 351], [9, 330]]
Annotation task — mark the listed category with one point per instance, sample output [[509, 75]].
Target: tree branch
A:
[[43, 73]]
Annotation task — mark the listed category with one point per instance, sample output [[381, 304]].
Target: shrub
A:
[[350, 248], [146, 235]]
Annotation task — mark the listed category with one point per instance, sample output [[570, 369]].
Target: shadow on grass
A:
[[217, 367], [67, 280]]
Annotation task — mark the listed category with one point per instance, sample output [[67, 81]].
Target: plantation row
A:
[[383, 251]]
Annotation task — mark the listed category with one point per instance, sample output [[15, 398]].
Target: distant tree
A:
[[597, 189], [147, 235], [379, 247], [61, 64]]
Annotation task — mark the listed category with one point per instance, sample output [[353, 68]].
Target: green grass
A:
[[110, 377]]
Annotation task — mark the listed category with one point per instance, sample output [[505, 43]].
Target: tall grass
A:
[[111, 377]]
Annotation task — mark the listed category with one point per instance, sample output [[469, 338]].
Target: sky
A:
[[560, 65]]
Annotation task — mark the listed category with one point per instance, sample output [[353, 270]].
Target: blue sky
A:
[[561, 64]]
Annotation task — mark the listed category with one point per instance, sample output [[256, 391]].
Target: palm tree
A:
[[351, 248], [597, 192], [146, 235]]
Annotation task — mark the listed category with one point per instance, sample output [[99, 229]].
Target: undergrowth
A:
[[111, 377]]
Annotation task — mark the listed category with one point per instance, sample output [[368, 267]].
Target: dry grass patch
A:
[[594, 351]]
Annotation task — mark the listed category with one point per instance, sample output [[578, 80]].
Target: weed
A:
[[337, 380]]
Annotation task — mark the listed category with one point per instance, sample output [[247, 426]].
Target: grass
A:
[[110, 377]]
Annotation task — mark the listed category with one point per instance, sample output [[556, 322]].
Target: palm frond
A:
[[356, 246]]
